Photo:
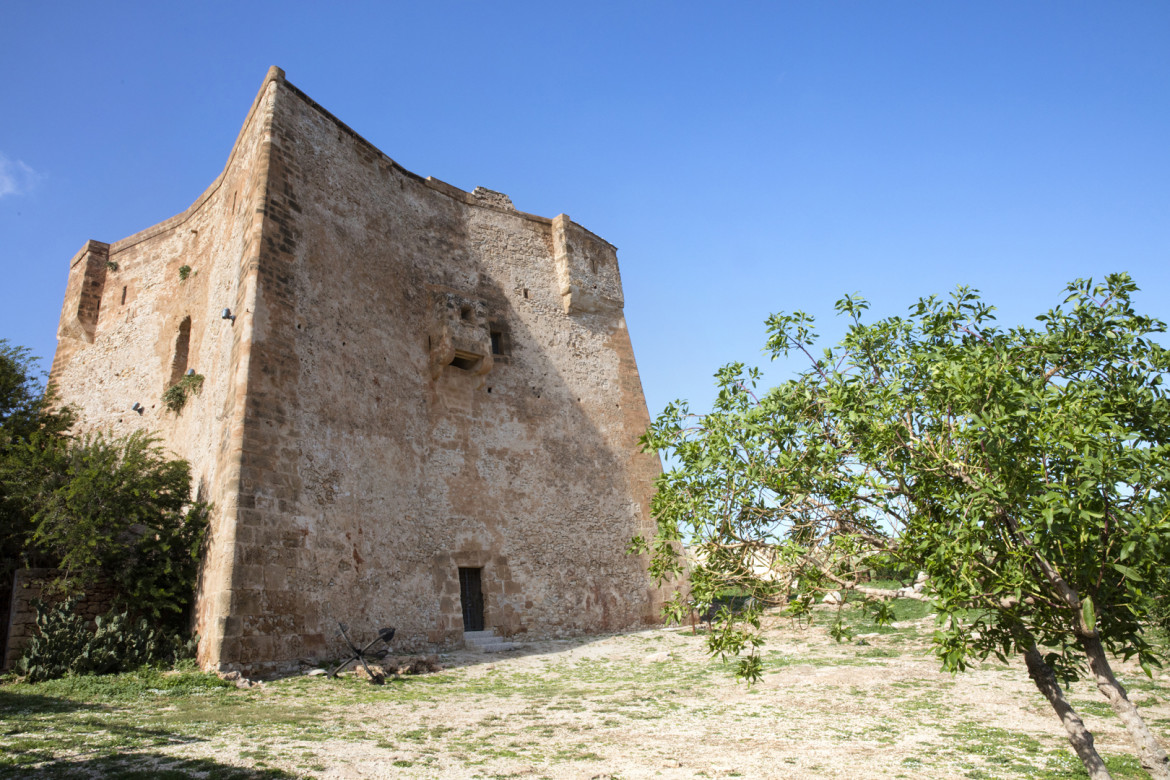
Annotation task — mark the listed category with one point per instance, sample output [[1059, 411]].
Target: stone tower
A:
[[414, 387]]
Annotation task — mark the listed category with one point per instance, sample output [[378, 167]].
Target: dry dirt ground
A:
[[649, 704]]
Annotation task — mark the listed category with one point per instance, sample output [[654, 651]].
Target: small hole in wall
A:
[[123, 296], [526, 293], [465, 313], [489, 390]]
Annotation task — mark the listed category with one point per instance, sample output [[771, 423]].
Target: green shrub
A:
[[116, 510], [66, 645], [175, 396]]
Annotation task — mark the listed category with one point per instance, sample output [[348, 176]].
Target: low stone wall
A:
[[27, 586]]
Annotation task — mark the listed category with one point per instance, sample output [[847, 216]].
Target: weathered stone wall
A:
[[420, 379], [127, 354], [27, 586]]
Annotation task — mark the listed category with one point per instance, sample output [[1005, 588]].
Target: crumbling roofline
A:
[[277, 74]]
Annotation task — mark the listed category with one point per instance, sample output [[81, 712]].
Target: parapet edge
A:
[[277, 74], [274, 74]]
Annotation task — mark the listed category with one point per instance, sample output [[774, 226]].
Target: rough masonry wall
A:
[[371, 469], [28, 586], [418, 379], [118, 340]]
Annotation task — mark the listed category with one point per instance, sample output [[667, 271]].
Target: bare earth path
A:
[[644, 705]]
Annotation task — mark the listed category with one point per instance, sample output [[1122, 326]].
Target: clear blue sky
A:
[[745, 158]]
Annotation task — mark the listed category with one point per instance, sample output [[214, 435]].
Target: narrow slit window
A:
[[497, 342], [123, 296]]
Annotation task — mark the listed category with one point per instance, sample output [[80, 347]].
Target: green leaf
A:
[[1127, 571]]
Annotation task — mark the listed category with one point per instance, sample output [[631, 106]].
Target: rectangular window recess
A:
[[497, 342], [468, 361]]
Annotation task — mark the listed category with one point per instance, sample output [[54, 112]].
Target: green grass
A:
[[552, 716]]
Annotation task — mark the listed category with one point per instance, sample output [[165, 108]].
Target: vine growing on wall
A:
[[175, 397]]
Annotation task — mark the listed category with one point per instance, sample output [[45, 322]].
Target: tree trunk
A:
[[1079, 736], [1153, 757]]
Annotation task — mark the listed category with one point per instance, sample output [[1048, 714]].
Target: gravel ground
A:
[[638, 705]]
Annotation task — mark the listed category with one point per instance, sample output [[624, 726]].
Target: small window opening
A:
[[466, 360], [465, 313], [123, 296], [526, 293], [182, 347], [497, 342]]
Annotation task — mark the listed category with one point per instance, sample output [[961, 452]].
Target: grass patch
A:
[[553, 714]]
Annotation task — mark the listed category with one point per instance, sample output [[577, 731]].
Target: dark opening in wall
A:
[[471, 598], [123, 296], [466, 360], [182, 347], [501, 340]]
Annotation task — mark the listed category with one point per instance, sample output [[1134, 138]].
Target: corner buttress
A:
[[83, 292]]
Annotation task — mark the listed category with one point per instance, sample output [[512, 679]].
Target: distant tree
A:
[[1026, 471], [26, 415]]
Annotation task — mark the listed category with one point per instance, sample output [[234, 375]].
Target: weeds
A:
[[592, 709]]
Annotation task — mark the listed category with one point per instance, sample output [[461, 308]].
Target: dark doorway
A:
[[471, 595]]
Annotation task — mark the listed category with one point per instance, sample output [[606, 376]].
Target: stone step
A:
[[486, 641]]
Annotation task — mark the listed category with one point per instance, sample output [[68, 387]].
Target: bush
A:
[[95, 507], [175, 396], [115, 509], [66, 645]]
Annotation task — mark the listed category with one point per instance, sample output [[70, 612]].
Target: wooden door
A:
[[471, 595]]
